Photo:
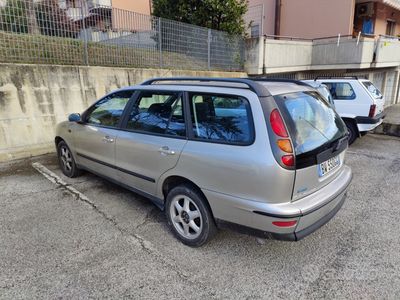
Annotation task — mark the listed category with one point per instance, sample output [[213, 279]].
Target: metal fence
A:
[[82, 32]]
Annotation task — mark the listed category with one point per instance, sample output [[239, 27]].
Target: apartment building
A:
[[138, 6], [101, 20], [306, 38], [323, 18]]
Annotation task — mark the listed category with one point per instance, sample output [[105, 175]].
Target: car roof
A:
[[224, 85], [189, 88], [285, 87], [274, 88], [315, 84], [341, 79]]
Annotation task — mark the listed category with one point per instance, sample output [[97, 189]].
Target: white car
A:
[[322, 89], [358, 102]]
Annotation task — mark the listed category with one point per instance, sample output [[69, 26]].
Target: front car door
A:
[[95, 137], [151, 140]]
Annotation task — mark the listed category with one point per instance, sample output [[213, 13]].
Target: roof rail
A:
[[337, 77], [257, 88], [298, 82]]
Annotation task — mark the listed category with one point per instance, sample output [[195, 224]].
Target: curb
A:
[[388, 129]]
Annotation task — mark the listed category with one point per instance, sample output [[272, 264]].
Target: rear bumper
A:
[[367, 123], [310, 212], [293, 236], [298, 235]]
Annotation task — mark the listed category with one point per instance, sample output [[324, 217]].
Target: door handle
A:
[[107, 139], [166, 151]]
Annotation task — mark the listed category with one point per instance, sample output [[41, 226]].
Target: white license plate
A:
[[328, 165]]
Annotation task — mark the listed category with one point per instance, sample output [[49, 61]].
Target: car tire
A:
[[353, 133], [189, 216], [67, 161]]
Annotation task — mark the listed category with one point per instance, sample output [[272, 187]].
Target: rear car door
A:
[[153, 136], [222, 154], [95, 137], [347, 102]]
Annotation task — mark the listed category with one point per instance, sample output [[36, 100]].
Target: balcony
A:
[[76, 13], [387, 52], [288, 56], [98, 3], [267, 56], [342, 53]]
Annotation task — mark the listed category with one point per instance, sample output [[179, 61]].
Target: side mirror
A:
[[74, 118]]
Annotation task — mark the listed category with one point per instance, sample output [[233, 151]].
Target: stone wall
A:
[[34, 98]]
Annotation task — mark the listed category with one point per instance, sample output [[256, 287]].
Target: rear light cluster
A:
[[372, 110], [283, 142]]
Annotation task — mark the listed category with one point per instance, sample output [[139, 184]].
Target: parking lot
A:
[[87, 238]]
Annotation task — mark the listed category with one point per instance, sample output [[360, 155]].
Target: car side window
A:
[[341, 90], [158, 112], [221, 118], [108, 111]]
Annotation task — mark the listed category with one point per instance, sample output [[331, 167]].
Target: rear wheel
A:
[[189, 217], [67, 161], [353, 133]]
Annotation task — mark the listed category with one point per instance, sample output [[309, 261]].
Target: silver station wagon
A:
[[261, 157]]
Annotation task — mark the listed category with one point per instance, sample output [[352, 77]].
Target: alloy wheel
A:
[[186, 217], [66, 158]]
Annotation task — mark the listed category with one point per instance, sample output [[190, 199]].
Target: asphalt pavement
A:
[[88, 238]]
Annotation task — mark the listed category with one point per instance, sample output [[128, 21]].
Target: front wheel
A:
[[67, 161], [188, 216]]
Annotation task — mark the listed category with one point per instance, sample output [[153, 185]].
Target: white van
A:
[[358, 102]]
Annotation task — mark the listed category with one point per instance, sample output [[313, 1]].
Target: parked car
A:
[[265, 158], [322, 89], [358, 102]]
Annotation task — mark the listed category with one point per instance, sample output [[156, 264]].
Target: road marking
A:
[[54, 178], [146, 245]]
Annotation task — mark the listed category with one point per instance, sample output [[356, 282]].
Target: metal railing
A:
[[87, 33]]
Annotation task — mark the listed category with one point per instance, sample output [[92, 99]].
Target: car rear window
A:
[[310, 120], [373, 90]]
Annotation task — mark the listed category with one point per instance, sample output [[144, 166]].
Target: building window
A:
[[390, 27]]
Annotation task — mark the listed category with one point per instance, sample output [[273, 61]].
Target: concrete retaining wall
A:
[[34, 98]]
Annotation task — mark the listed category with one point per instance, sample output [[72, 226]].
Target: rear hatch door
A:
[[319, 138], [376, 94]]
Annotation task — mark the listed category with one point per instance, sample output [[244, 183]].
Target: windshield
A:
[[311, 121], [373, 90]]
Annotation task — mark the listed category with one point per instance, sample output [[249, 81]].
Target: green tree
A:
[[226, 15]]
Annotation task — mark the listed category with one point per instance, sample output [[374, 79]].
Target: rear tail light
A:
[[372, 110], [285, 153], [277, 124], [288, 160], [284, 223]]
